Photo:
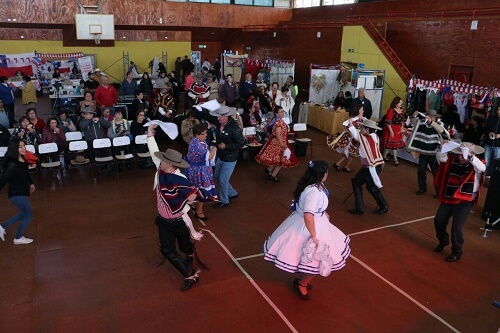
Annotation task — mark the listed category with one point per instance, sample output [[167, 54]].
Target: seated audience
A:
[[27, 132], [53, 133], [65, 122], [4, 136], [139, 103], [4, 117], [88, 103], [37, 122], [187, 126], [106, 115], [146, 85], [119, 126]]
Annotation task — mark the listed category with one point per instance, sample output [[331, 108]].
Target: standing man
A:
[[460, 179], [246, 88], [129, 85], [372, 161], [187, 85], [229, 92], [178, 66], [426, 137], [176, 87], [106, 96], [294, 89], [173, 193], [7, 96], [91, 84], [199, 91], [217, 68], [206, 64], [229, 142], [365, 102]]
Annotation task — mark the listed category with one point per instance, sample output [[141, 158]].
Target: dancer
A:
[[392, 136], [306, 242], [173, 193], [345, 144], [20, 186], [277, 153], [460, 177], [372, 162]]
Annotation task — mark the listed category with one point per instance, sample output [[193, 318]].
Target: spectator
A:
[[7, 96], [199, 91], [146, 85], [28, 91], [176, 87], [139, 104], [119, 126], [228, 91], [246, 87], [129, 85], [214, 87], [217, 68], [65, 122], [88, 103], [474, 131], [39, 123], [4, 136], [287, 103], [27, 132], [187, 126], [492, 140], [91, 84], [348, 101], [365, 102], [189, 81], [4, 117], [105, 95]]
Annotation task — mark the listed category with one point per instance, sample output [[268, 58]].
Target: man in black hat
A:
[[427, 135], [460, 179], [91, 84], [173, 192]]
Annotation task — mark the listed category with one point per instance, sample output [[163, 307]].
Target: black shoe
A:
[[188, 282], [420, 192], [336, 167], [204, 218], [346, 170], [233, 197], [266, 171], [220, 204], [355, 211], [439, 248], [274, 179], [297, 282], [452, 257], [296, 288], [381, 210]]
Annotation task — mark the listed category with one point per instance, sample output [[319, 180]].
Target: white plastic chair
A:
[[73, 136], [47, 152], [301, 127], [79, 147], [142, 140], [121, 144], [3, 151]]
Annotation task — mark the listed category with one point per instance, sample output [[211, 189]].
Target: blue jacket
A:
[[6, 94]]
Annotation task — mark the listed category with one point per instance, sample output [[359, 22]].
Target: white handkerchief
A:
[[169, 128], [161, 110], [210, 105], [465, 152], [449, 146], [287, 153]]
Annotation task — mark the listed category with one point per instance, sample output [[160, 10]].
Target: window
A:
[[317, 3], [262, 3]]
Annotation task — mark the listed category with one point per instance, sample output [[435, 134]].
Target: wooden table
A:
[[325, 120]]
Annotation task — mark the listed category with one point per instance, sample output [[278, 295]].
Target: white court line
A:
[[390, 226], [276, 309], [420, 305]]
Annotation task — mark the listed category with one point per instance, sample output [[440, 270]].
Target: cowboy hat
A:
[[172, 157], [80, 159], [473, 149], [432, 113], [370, 124], [223, 111]]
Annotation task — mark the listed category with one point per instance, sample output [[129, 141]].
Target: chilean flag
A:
[[11, 63]]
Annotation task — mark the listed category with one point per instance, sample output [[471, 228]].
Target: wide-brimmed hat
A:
[[172, 157], [97, 70], [223, 111], [432, 113], [165, 85], [80, 159], [473, 149], [371, 124]]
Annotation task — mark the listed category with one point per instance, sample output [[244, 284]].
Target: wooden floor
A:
[[90, 267]]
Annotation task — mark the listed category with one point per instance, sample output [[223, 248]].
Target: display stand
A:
[[280, 70], [233, 64]]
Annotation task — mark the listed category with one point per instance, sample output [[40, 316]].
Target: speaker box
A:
[[492, 203]]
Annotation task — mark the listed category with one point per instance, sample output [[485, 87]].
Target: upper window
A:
[[264, 3], [317, 3]]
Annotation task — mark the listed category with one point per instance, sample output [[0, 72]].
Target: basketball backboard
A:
[[87, 25]]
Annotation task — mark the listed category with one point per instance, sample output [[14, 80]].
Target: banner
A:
[[85, 66], [11, 63]]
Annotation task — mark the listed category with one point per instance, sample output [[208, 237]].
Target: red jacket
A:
[[106, 96]]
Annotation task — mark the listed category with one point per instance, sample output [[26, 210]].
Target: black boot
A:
[[383, 206], [185, 268], [358, 199]]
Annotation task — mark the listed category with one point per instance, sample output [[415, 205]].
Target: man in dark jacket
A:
[[229, 141], [92, 128], [365, 102]]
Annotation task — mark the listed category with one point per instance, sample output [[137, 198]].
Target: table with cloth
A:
[[325, 120]]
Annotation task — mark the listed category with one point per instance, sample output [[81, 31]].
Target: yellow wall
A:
[[368, 53], [109, 59]]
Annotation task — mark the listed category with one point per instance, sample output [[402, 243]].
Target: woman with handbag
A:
[[306, 242], [20, 186]]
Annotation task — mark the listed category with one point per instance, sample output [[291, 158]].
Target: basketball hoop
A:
[[97, 37]]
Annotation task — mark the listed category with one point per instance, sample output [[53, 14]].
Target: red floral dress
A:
[[395, 121], [272, 152], [347, 145]]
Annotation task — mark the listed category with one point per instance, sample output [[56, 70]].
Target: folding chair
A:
[[78, 149], [48, 152], [73, 136], [102, 153], [122, 150], [32, 167], [140, 141], [301, 127]]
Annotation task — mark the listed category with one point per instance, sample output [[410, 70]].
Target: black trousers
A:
[[459, 212], [364, 177], [9, 108], [423, 162], [170, 231]]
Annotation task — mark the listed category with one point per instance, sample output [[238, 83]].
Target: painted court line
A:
[[263, 294], [420, 305], [390, 226]]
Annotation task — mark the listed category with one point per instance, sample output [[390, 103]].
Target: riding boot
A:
[[358, 196], [383, 206]]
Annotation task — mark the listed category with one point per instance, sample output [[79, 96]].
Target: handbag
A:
[[30, 158]]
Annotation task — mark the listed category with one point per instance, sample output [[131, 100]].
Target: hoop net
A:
[[97, 37]]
